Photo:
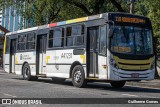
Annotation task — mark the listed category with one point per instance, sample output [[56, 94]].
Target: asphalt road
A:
[[12, 86]]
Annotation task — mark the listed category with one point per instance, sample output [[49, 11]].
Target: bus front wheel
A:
[[78, 76], [117, 84]]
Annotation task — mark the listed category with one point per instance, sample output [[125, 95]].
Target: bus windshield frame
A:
[[132, 40]]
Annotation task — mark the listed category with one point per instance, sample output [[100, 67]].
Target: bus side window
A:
[[21, 42], [58, 37], [102, 40], [69, 39], [30, 41], [50, 44], [78, 35], [75, 35]]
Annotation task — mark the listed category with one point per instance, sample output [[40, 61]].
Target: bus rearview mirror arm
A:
[[110, 33]]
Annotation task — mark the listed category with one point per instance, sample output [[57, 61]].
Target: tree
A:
[[151, 9], [91, 7], [48, 11]]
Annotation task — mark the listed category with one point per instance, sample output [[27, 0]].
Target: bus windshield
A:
[[132, 40]]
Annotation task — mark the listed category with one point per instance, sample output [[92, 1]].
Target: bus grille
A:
[[134, 65]]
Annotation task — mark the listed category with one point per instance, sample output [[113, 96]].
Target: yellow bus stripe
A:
[[133, 61], [4, 47]]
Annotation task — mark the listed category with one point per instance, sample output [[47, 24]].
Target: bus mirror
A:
[[110, 33]]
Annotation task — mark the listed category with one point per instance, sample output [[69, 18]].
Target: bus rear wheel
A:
[[26, 72], [78, 77], [117, 84]]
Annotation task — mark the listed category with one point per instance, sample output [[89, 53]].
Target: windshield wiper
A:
[[124, 33]]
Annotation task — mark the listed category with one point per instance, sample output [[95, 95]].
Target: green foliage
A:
[[150, 8]]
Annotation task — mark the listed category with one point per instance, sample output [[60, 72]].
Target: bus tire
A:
[[117, 84], [58, 80], [35, 78], [26, 72], [78, 77]]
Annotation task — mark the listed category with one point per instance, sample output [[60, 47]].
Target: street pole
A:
[[132, 7]]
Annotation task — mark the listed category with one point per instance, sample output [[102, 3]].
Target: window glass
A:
[[69, 38], [50, 44], [74, 35], [132, 40], [76, 30], [56, 38], [102, 42], [30, 41], [57, 33], [78, 40], [21, 42], [7, 44], [68, 31]]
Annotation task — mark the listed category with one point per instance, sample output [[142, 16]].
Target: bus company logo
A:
[[57, 67], [6, 101], [25, 57]]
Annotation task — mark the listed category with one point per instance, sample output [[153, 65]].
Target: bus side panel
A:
[[25, 57], [50, 62], [6, 63], [62, 62], [102, 68]]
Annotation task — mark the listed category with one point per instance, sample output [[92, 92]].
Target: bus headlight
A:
[[113, 63]]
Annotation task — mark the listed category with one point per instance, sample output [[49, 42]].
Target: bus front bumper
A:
[[119, 74]]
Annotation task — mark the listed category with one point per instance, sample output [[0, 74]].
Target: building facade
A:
[[11, 19]]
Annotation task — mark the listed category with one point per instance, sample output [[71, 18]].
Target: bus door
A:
[[12, 55], [41, 53], [92, 51]]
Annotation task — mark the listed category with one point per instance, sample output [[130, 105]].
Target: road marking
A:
[[130, 95], [8, 94], [143, 87]]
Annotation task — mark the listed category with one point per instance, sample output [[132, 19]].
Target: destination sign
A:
[[130, 20]]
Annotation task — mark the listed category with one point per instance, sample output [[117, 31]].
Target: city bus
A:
[[113, 47]]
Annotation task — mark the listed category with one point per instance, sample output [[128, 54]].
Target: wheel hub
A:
[[77, 76], [26, 71]]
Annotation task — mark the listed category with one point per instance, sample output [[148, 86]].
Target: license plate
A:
[[135, 75]]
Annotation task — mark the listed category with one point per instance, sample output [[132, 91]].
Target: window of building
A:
[[30, 41]]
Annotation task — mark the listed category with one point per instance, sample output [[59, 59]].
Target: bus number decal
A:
[[66, 55]]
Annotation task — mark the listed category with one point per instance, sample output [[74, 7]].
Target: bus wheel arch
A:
[[22, 67], [78, 76], [72, 66], [27, 74]]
